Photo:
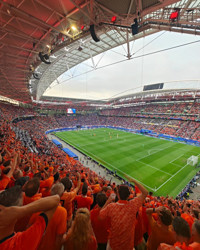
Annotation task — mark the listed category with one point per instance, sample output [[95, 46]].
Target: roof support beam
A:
[[112, 38], [5, 76], [129, 9], [30, 17], [128, 45], [119, 32], [12, 55], [68, 69], [175, 29], [85, 13], [163, 4], [185, 8], [108, 10], [16, 47], [64, 18], [19, 34], [91, 56]]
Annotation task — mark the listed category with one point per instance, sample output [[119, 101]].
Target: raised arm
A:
[[78, 184], [144, 191], [10, 215], [13, 166]]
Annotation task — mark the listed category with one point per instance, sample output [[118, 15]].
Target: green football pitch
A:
[[158, 164]]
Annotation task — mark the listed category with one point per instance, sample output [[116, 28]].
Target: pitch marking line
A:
[[171, 177], [89, 153], [153, 153], [155, 168], [176, 165], [119, 169], [119, 140], [152, 150], [176, 159]]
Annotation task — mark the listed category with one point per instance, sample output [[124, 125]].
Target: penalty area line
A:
[[171, 177], [103, 161]]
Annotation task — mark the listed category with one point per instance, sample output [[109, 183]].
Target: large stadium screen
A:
[[153, 86], [71, 111]]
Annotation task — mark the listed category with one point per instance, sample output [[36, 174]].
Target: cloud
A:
[[177, 64]]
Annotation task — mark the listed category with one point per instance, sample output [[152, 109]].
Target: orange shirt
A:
[[28, 239], [139, 228], [159, 234], [176, 246], [189, 219], [195, 245], [28, 200], [67, 199], [47, 183], [123, 218], [4, 182], [56, 227], [96, 188], [100, 227], [45, 186], [83, 201]]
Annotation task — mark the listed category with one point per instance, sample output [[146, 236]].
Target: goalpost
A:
[[192, 160]]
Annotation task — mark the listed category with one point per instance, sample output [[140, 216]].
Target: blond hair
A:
[[81, 231]]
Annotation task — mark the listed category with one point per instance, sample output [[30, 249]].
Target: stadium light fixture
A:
[[113, 19], [174, 15], [73, 28]]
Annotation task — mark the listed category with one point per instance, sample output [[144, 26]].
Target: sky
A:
[[116, 76]]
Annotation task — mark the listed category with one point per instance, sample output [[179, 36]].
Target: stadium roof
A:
[[137, 98], [32, 27]]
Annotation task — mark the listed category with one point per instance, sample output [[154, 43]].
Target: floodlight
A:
[[73, 27]]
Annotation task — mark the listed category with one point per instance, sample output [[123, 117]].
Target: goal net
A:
[[193, 160]]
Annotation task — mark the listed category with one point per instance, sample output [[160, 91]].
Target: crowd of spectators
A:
[[155, 108], [155, 118], [48, 200]]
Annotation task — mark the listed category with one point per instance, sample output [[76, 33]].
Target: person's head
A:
[[67, 183], [32, 187], [56, 177], [57, 188], [181, 228], [6, 163], [82, 217], [84, 188], [17, 174], [27, 169], [101, 199], [11, 197], [21, 181], [165, 216], [196, 231], [37, 175], [6, 170], [81, 229], [123, 192], [104, 189]]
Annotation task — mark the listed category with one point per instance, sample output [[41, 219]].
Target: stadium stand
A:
[[51, 201], [37, 168]]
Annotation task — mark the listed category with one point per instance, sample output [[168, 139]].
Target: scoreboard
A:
[[71, 111], [153, 86]]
